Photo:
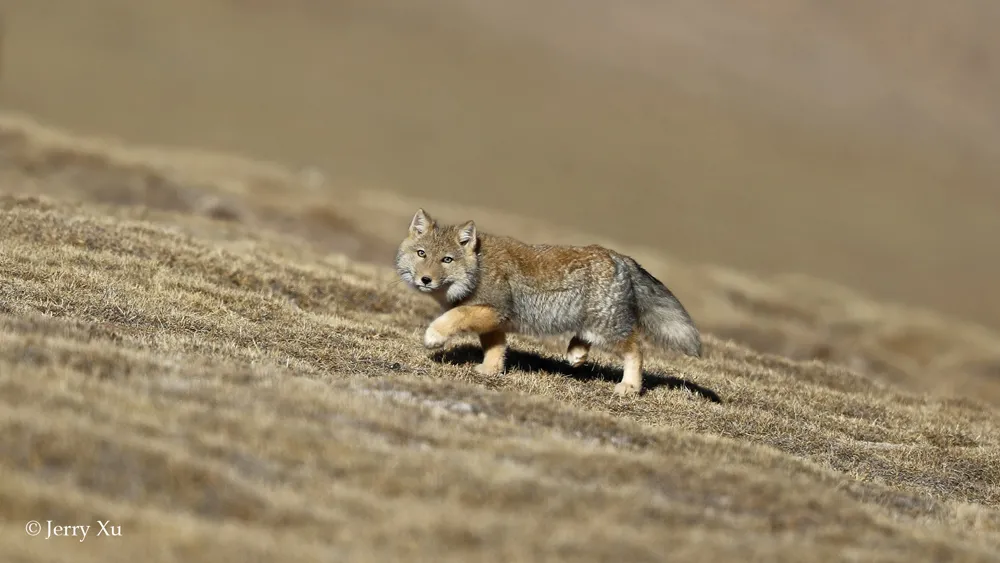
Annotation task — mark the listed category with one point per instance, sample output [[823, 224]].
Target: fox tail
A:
[[661, 315]]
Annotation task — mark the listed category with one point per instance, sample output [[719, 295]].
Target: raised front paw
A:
[[433, 338]]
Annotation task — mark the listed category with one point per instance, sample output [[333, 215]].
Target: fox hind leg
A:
[[631, 382], [577, 351]]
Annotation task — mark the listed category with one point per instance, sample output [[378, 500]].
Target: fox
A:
[[494, 285]]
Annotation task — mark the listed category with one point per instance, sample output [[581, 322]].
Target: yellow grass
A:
[[181, 353]]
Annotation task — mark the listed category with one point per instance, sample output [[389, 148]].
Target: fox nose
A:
[[426, 280]]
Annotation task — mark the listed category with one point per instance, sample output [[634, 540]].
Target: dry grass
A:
[[225, 388]]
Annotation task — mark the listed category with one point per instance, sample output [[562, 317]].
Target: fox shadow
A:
[[530, 362]]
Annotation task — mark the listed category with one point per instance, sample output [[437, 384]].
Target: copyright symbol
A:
[[33, 528]]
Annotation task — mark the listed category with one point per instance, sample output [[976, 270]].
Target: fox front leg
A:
[[480, 319], [494, 352]]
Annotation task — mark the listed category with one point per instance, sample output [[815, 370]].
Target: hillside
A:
[[213, 354], [853, 141]]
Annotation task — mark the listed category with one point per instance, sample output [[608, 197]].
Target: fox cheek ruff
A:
[[462, 288]]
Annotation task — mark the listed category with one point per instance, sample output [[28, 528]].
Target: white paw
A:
[[624, 388], [576, 357], [483, 369], [433, 338]]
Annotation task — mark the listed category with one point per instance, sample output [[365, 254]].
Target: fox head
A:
[[435, 258]]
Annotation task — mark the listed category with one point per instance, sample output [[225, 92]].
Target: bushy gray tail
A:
[[661, 315]]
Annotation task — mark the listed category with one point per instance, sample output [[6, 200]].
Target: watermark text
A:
[[49, 529]]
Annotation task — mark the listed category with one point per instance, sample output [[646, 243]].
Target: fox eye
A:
[[421, 253], [447, 259]]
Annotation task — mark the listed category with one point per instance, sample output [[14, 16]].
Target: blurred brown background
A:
[[855, 141]]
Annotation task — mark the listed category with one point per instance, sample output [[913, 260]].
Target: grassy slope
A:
[[179, 355], [855, 141]]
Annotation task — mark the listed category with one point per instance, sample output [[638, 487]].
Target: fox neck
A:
[[461, 289]]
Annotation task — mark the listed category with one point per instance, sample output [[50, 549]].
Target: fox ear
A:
[[467, 234], [421, 224]]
